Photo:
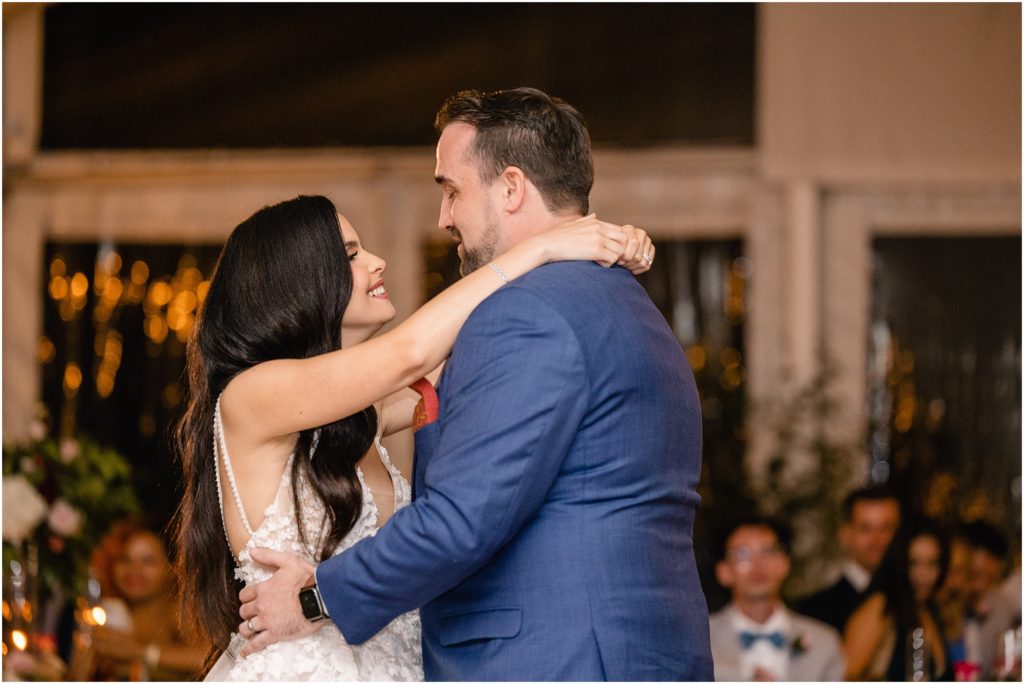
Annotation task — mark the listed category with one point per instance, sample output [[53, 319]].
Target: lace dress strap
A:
[[220, 445]]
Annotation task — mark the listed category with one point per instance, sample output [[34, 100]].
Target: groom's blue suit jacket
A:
[[551, 532]]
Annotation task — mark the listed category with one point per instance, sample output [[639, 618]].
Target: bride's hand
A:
[[638, 254], [588, 238]]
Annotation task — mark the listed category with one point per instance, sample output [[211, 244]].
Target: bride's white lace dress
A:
[[394, 654]]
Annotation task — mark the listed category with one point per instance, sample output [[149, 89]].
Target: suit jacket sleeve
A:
[[513, 396]]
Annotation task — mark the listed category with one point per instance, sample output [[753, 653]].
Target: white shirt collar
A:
[[856, 575], [778, 622], [762, 654]]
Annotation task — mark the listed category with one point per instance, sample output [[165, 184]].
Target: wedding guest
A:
[[988, 555], [870, 518], [140, 637], [951, 598], [989, 551], [755, 637], [896, 633], [1001, 629]]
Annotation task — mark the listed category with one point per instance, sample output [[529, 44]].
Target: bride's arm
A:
[[284, 396], [397, 410]]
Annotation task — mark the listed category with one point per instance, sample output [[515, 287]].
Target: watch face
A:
[[310, 604]]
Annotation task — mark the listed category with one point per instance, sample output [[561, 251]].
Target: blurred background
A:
[[834, 190]]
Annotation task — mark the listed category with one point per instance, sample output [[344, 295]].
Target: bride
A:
[[289, 395]]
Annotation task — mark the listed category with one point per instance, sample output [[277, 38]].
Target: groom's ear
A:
[[512, 183]]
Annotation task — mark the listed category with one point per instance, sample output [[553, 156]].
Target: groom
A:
[[550, 535]]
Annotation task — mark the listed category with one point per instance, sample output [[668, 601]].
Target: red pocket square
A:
[[425, 412]]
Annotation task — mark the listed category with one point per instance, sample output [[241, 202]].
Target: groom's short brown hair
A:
[[542, 135]]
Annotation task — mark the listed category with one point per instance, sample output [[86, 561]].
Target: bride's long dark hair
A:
[[279, 290]]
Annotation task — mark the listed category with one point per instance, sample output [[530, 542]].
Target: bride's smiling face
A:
[[369, 307]]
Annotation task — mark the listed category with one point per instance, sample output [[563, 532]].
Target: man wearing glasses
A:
[[755, 637]]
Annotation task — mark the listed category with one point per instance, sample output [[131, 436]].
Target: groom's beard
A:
[[472, 259]]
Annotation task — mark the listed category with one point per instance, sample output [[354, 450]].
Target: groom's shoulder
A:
[[571, 276]]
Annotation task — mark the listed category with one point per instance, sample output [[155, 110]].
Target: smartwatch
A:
[[312, 604]]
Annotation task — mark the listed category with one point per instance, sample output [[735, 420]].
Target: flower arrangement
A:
[[61, 496]]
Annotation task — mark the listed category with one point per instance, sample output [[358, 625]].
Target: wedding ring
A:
[[647, 259], [248, 623]]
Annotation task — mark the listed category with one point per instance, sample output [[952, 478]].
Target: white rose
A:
[[23, 508], [64, 518]]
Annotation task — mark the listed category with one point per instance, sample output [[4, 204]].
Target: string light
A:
[[19, 639], [72, 379]]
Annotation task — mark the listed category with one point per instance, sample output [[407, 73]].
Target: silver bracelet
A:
[[501, 274]]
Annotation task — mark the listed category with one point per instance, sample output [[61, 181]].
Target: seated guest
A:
[[870, 519], [988, 559], [1002, 621], [989, 552], [755, 637], [896, 633], [140, 638]]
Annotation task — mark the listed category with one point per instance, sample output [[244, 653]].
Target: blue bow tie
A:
[[777, 639]]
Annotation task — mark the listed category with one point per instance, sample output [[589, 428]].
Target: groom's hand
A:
[[270, 610]]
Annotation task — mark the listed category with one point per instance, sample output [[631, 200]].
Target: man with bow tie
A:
[[755, 637]]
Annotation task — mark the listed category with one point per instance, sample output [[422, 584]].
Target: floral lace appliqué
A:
[[394, 654]]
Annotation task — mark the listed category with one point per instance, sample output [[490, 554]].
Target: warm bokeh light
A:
[[171, 396], [19, 639], [140, 272], [47, 350], [112, 346], [159, 293], [112, 263], [185, 330], [729, 358], [79, 285], [156, 328], [732, 378], [191, 276], [112, 292], [202, 290], [58, 268], [185, 300], [7, 610], [58, 287], [176, 318], [99, 615], [104, 384], [697, 357], [72, 377]]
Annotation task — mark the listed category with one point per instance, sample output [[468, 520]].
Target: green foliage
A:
[[807, 475], [94, 481]]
